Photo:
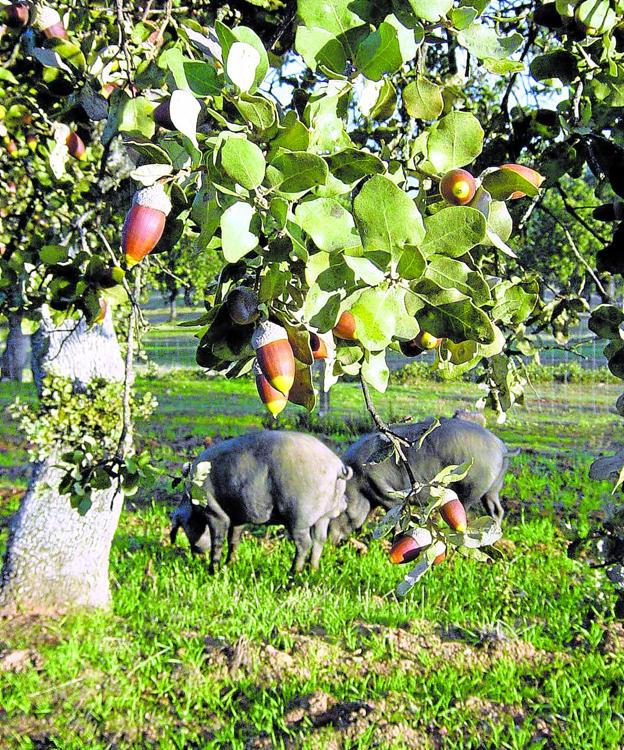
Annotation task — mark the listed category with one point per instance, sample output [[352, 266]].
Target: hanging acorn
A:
[[76, 146], [274, 401], [318, 346], [49, 22], [145, 223], [275, 355], [345, 327]]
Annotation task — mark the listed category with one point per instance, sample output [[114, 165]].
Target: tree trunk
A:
[[173, 312], [323, 391], [16, 350], [56, 559]]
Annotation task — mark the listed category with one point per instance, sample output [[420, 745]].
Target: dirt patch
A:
[[613, 639], [491, 712], [19, 660]]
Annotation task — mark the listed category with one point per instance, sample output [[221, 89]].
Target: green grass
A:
[[523, 653]]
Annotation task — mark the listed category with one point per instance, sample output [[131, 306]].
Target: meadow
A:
[[525, 652]]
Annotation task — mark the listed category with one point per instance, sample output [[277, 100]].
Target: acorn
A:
[[75, 146], [32, 141], [609, 211], [49, 22], [530, 175], [17, 15], [145, 223], [162, 115], [242, 305], [454, 513], [547, 15], [275, 355], [422, 341], [408, 546], [439, 558], [12, 148], [318, 346], [458, 187], [274, 401], [345, 327]]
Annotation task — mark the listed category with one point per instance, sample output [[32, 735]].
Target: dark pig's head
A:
[[353, 518]]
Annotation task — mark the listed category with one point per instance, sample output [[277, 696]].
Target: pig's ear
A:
[[347, 472]]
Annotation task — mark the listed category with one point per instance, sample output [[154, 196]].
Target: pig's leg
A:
[[303, 542], [234, 537], [219, 524], [491, 500], [319, 533], [174, 531]]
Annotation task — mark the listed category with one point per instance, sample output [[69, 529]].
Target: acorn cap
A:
[[255, 368], [45, 17], [421, 536], [154, 197], [267, 333]]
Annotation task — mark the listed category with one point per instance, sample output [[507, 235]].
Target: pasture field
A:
[[523, 653]]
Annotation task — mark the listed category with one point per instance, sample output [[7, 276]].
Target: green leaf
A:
[[236, 238], [257, 110], [453, 231], [412, 263], [365, 270], [514, 302], [297, 171], [375, 370], [431, 10], [244, 56], [202, 78], [503, 67], [148, 174], [453, 274], [329, 224], [450, 314], [135, 116], [351, 165], [6, 75], [423, 99], [320, 47], [597, 16], [605, 321], [387, 219], [455, 141], [502, 183], [53, 254], [243, 161], [483, 42], [336, 16], [375, 317], [559, 64], [379, 54], [145, 147]]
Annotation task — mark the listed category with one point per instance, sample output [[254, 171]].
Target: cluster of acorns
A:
[[408, 547]]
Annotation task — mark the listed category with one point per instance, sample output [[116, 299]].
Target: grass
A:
[[523, 653]]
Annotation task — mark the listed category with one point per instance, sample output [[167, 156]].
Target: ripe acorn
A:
[[242, 305], [145, 223], [318, 346], [31, 141], [419, 344], [274, 401], [275, 355], [458, 187], [530, 175], [12, 148], [75, 146], [49, 22], [17, 15], [345, 327], [454, 513], [407, 547], [162, 115]]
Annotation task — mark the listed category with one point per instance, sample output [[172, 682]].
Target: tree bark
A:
[[324, 405], [16, 350], [56, 559]]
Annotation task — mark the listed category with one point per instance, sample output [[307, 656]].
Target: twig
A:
[[572, 211], [397, 441], [291, 13], [161, 30], [123, 43], [577, 253]]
